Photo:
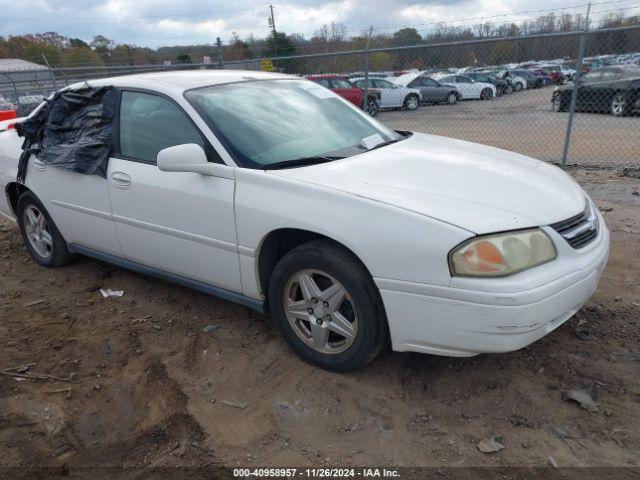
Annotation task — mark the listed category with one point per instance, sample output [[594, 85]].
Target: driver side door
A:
[[177, 223]]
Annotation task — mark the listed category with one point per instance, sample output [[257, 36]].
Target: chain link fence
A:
[[571, 97]]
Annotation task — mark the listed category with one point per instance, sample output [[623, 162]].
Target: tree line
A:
[[57, 50]]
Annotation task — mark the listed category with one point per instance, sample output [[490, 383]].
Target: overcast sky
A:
[[167, 22]]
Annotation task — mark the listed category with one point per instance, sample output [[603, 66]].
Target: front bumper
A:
[[473, 316]]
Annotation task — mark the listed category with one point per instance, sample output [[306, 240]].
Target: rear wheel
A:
[[40, 234], [486, 94], [558, 102], [620, 105], [327, 307], [411, 102]]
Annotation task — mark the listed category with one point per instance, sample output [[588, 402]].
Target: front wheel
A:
[[620, 105], [41, 236], [486, 94], [517, 86], [508, 90], [452, 98], [373, 107], [327, 307]]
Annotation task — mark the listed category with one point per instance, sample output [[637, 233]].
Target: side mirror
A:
[[191, 158]]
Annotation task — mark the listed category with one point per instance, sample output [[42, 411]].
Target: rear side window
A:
[[150, 123], [340, 83]]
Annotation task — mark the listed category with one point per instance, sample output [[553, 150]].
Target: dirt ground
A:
[[135, 381], [524, 122]]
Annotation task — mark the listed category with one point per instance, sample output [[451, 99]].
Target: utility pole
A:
[[220, 58], [272, 24]]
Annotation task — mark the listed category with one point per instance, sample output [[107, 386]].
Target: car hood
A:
[[475, 187]]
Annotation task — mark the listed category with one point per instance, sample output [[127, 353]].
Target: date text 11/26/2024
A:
[[315, 473]]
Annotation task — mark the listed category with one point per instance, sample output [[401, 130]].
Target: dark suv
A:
[[612, 89]]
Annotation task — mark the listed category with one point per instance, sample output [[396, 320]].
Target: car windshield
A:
[[263, 123]]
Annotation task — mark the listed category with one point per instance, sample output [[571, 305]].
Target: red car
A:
[[349, 91]]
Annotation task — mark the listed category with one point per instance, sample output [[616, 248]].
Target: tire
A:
[[373, 107], [40, 234], [517, 86], [411, 102], [620, 105], [508, 90], [486, 94], [452, 98], [558, 102], [360, 310], [538, 84]]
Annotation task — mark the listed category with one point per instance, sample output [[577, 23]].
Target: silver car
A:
[[391, 95], [431, 90]]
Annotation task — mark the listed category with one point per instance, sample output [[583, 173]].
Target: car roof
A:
[[179, 81]]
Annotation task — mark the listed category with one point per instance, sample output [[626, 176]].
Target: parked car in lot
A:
[[533, 80], [469, 89], [391, 94], [270, 191], [431, 91], [502, 86], [612, 89], [547, 79], [556, 75], [518, 83], [343, 87]]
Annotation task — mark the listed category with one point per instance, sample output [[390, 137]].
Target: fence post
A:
[[53, 77], [574, 91], [15, 90], [220, 57], [365, 101]]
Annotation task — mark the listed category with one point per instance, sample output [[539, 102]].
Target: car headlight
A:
[[501, 254]]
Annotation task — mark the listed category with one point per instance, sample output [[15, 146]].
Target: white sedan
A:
[[468, 87], [392, 95], [273, 192]]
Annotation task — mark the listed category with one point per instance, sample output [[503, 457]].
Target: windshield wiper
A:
[[388, 142], [301, 162]]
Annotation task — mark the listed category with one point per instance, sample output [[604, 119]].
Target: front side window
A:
[[150, 123], [463, 79], [262, 123]]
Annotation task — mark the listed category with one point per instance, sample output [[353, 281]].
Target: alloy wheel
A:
[[618, 105], [452, 98], [320, 311], [412, 102], [38, 233]]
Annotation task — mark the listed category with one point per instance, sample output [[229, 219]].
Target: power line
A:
[[134, 17], [544, 10]]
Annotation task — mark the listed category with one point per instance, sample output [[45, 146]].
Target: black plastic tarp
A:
[[72, 131]]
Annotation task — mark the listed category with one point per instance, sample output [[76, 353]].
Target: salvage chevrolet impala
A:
[[272, 191]]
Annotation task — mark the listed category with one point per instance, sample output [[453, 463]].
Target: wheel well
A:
[[278, 243], [13, 191]]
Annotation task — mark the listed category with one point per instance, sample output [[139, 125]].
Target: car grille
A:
[[580, 230]]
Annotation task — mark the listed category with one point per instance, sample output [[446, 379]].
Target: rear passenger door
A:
[[175, 222]]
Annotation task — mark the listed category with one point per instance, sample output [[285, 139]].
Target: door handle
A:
[[38, 164], [120, 179]]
